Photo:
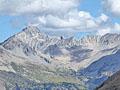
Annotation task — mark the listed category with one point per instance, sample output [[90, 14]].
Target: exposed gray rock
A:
[[97, 57]]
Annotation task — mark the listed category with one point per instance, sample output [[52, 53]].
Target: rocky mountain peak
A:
[[111, 40], [32, 30], [28, 37], [29, 32]]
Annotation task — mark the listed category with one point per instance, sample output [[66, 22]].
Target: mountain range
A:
[[32, 60]]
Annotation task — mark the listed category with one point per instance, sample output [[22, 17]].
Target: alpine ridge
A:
[[40, 59]]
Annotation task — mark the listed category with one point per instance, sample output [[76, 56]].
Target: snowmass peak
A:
[[31, 30]]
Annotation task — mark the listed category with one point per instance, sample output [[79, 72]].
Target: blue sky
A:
[[6, 27], [94, 7], [81, 18]]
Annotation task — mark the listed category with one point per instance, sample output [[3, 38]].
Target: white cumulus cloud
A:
[[76, 20], [113, 6], [18, 7], [114, 28], [104, 31], [61, 15]]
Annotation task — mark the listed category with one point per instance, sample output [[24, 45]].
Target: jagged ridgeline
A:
[[32, 60]]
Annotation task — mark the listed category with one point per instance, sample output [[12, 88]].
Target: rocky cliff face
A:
[[113, 83]]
